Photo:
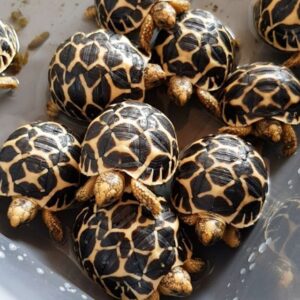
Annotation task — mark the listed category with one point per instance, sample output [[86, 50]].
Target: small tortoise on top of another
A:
[[9, 47], [133, 255], [198, 52], [278, 23], [132, 145], [90, 71], [262, 99], [220, 186], [39, 170], [126, 16]]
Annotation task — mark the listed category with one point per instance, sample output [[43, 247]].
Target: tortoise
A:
[[200, 52], [220, 186], [262, 99], [9, 47], [130, 145], [141, 16], [132, 254], [39, 170], [278, 23], [283, 230], [90, 71]]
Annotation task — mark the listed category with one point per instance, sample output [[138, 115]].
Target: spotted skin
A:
[[9, 45], [41, 161], [199, 47], [125, 249], [278, 23], [134, 138], [90, 71], [261, 91], [222, 175]]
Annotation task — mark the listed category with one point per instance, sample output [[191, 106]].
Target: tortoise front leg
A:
[[180, 90], [52, 109], [239, 131], [193, 265], [293, 61], [91, 12], [289, 139], [86, 192], [146, 33], [8, 82], [232, 236], [154, 296], [209, 102], [21, 211], [180, 6], [146, 197], [53, 224]]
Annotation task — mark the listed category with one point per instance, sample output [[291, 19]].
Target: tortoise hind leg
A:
[[209, 102], [232, 236], [293, 61], [180, 6], [289, 139], [146, 33], [146, 197], [8, 82], [91, 12], [53, 224], [193, 265], [52, 109]]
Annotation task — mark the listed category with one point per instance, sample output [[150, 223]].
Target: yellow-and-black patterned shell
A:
[[123, 16], [278, 23], [221, 174], [41, 161], [90, 71], [199, 47], [132, 137], [261, 91], [125, 249], [9, 45]]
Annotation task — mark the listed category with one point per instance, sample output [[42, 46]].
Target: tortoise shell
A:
[[224, 175], [199, 47], [9, 45], [132, 137], [278, 23], [41, 161], [123, 16], [90, 71], [125, 249], [283, 229], [258, 91]]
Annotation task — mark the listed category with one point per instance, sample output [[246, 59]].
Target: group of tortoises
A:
[[127, 237]]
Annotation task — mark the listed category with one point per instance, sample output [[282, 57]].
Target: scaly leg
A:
[[146, 197], [8, 82], [193, 265], [232, 236], [154, 296], [239, 131], [86, 192], [289, 140], [146, 33], [52, 109], [21, 211], [53, 224], [91, 12], [293, 61], [180, 6], [180, 90], [209, 102]]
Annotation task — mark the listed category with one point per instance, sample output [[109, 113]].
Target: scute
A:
[[147, 256], [278, 23], [134, 138], [41, 161], [199, 47], [90, 71], [259, 91], [123, 16], [231, 186]]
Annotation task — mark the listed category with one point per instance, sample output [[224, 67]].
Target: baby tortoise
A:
[[278, 23], [264, 100], [126, 16], [133, 255], [220, 186], [90, 71], [130, 144], [198, 52], [9, 47], [39, 170]]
